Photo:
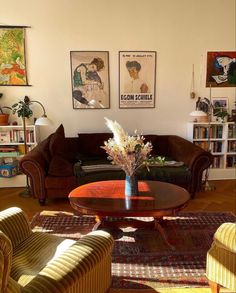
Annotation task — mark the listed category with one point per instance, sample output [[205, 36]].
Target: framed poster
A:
[[90, 79], [221, 69], [137, 79], [12, 56]]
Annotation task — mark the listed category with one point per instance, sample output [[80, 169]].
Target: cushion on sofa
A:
[[56, 142], [60, 167]]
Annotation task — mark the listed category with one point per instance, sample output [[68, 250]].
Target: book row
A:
[[232, 131], [16, 136], [214, 146], [214, 131]]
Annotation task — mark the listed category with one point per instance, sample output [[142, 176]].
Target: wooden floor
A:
[[221, 197]]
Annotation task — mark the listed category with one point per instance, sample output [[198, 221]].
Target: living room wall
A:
[[180, 31]]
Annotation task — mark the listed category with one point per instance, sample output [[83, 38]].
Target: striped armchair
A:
[[36, 262], [221, 259]]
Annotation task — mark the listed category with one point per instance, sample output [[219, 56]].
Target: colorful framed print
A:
[[221, 69], [137, 77], [90, 79], [12, 56]]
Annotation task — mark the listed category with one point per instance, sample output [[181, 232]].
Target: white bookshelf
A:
[[13, 136], [220, 139]]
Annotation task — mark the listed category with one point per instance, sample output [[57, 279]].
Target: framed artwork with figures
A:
[[90, 79]]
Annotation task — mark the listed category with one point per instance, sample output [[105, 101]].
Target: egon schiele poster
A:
[[12, 56], [137, 79], [90, 79]]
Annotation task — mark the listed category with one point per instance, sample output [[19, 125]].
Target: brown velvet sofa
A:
[[50, 165]]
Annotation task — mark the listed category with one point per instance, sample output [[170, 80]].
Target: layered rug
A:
[[141, 258]]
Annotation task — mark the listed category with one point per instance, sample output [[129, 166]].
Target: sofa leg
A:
[[215, 288], [42, 201]]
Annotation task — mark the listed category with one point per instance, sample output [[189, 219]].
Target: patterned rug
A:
[[141, 258]]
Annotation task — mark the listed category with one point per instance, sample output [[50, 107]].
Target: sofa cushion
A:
[[90, 143], [57, 141], [53, 182], [60, 167]]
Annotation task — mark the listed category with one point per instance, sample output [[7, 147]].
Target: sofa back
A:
[[89, 144]]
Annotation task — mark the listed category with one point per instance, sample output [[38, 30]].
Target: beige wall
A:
[[181, 31]]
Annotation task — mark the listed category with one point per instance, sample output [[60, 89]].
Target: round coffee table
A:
[[106, 199]]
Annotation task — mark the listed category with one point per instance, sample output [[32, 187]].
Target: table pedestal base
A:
[[112, 224]]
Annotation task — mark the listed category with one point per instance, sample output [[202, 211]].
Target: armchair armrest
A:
[[5, 261], [15, 225], [84, 267]]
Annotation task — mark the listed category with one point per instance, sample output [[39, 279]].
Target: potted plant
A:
[[4, 116], [22, 108], [221, 115]]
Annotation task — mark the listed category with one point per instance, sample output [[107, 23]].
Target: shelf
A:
[[223, 141], [17, 126], [17, 143], [210, 139]]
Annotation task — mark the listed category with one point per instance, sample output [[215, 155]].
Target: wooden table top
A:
[[107, 198]]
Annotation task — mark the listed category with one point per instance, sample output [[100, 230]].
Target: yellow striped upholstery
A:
[[221, 258], [44, 263], [5, 260]]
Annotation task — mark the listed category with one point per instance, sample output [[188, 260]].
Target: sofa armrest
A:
[[194, 157], [35, 166], [15, 225], [5, 261], [84, 267]]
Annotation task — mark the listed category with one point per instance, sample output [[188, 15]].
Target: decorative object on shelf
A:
[[137, 79], [202, 112], [221, 69], [4, 117], [22, 108], [128, 152], [90, 79], [12, 58]]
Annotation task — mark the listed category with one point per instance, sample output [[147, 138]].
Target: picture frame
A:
[[221, 68], [13, 71], [220, 104], [90, 79], [137, 79]]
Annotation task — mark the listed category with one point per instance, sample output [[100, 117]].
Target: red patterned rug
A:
[[141, 258]]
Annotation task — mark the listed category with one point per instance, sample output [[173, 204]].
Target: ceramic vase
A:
[[131, 185]]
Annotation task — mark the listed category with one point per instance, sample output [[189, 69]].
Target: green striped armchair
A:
[[36, 262], [221, 259]]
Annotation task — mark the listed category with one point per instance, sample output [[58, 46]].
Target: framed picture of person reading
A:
[[90, 79], [137, 78]]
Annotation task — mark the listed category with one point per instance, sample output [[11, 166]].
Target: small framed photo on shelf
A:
[[220, 103], [137, 78], [90, 79]]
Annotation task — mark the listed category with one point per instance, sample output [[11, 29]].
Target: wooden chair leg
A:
[[215, 288]]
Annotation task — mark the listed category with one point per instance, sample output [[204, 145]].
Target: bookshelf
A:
[[220, 139], [12, 149]]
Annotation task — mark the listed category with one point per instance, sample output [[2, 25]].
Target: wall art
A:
[[137, 78], [221, 69], [12, 56], [90, 79]]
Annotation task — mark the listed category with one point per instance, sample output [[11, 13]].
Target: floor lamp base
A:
[[26, 192]]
